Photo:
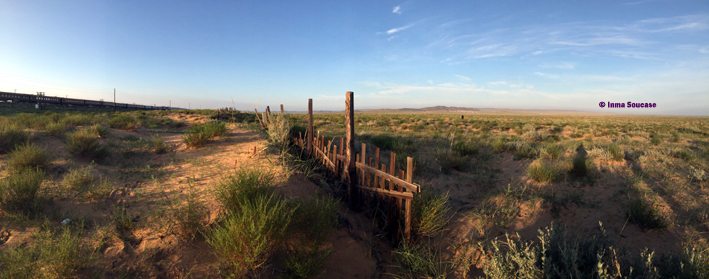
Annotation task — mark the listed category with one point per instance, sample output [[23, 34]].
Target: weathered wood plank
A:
[[393, 179], [402, 195]]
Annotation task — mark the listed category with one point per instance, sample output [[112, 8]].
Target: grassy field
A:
[[630, 183], [196, 194]]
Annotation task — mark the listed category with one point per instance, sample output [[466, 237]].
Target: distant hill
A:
[[427, 109], [441, 108], [468, 110]]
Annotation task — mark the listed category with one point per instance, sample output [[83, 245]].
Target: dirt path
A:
[[157, 252]]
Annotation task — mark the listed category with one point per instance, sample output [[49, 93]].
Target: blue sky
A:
[[498, 54]]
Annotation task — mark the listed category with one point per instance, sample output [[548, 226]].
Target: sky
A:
[[567, 55]]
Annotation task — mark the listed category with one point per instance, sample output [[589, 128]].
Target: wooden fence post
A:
[[410, 179], [267, 115], [350, 169], [260, 121], [309, 131], [283, 111]]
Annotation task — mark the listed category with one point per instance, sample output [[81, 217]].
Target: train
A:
[[9, 97]]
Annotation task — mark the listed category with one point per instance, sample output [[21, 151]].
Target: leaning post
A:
[[267, 115]]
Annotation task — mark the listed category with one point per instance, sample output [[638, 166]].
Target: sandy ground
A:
[[152, 249]]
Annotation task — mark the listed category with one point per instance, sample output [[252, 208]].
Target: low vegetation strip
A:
[[201, 134]]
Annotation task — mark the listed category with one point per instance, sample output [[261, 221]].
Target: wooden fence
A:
[[369, 176]]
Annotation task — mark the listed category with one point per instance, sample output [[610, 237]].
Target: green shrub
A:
[[79, 119], [655, 139], [79, 179], [122, 221], [307, 262], [19, 190], [552, 151], [523, 150], [431, 213], [499, 144], [28, 156], [449, 161], [559, 255], [158, 145], [385, 142], [316, 218], [645, 215], [214, 128], [245, 184], [123, 121], [278, 130], [199, 135], [51, 255], [56, 128], [393, 143], [99, 130], [691, 263], [190, 218], [615, 152], [86, 142], [555, 255], [245, 239], [11, 136], [467, 148], [544, 171], [196, 139], [416, 260]]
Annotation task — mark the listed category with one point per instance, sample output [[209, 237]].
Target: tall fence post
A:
[[407, 214], [283, 111], [267, 115], [309, 132], [350, 170]]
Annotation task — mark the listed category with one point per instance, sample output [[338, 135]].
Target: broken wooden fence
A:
[[368, 172]]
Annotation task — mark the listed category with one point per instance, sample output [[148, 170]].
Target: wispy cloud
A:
[[463, 77], [599, 40], [396, 10], [395, 30], [630, 40], [559, 65], [685, 23], [546, 75]]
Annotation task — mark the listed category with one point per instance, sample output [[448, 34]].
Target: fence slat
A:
[[396, 180], [403, 195]]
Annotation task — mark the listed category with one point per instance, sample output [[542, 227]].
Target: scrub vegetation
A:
[[208, 194]]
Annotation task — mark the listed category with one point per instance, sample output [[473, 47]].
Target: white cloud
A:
[[395, 30], [599, 40], [396, 10]]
